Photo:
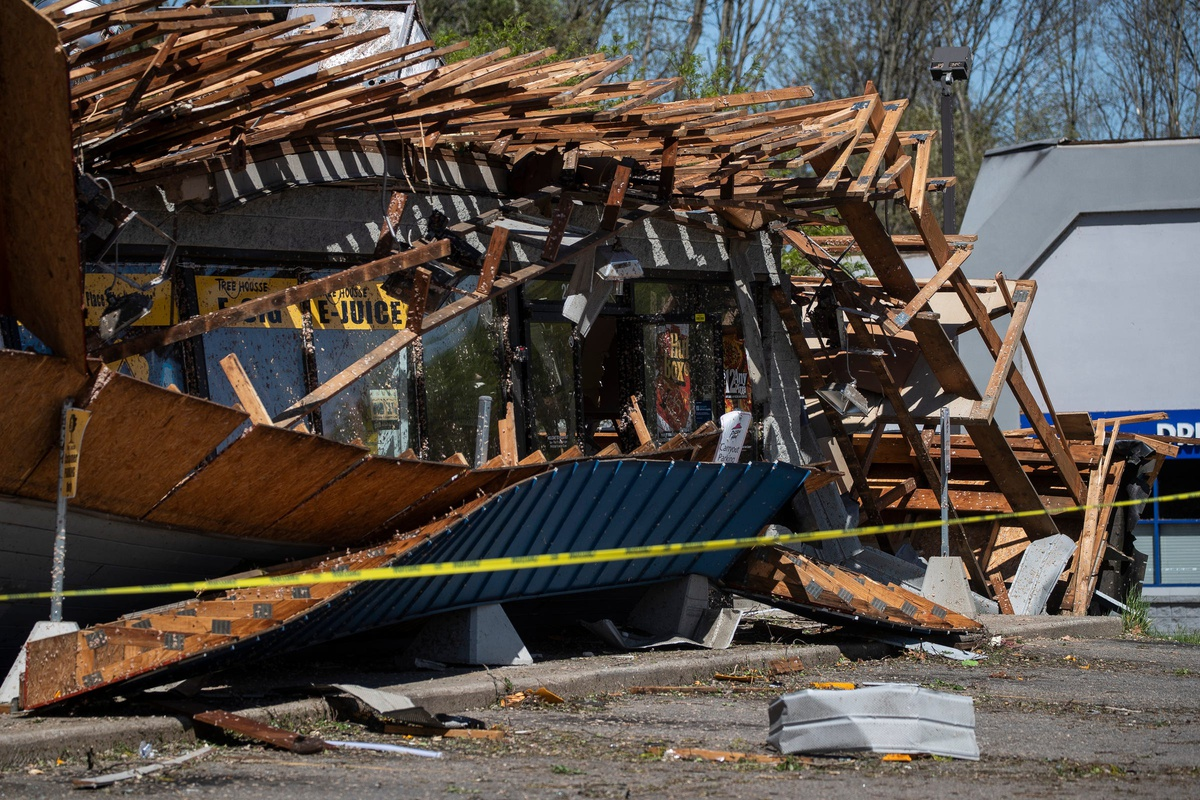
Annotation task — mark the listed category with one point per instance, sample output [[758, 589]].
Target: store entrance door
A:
[[685, 369]]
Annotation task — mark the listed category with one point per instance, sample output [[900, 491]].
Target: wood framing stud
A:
[[242, 387], [558, 226], [419, 299], [616, 196], [395, 210], [666, 175], [491, 260]]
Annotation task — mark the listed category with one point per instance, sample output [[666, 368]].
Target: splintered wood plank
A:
[[891, 121], [616, 196], [32, 390], [1077, 426], [41, 279], [507, 434], [395, 210], [975, 502], [639, 422], [254, 482], [491, 260], [360, 502], [247, 395], [141, 441]]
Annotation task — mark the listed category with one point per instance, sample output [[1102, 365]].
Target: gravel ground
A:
[[1064, 718]]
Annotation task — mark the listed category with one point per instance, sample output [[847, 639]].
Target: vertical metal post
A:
[[945, 481], [483, 427], [949, 222], [59, 567]]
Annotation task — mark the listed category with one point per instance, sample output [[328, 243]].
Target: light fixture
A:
[[122, 312], [617, 264], [844, 396]]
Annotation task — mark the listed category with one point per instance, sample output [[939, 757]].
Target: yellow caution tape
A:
[[511, 563]]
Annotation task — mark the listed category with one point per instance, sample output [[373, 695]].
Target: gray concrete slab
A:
[[1047, 627]]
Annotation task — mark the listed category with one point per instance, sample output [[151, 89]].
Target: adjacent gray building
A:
[[1111, 233]]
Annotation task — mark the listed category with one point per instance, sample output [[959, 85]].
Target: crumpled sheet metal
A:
[[891, 718]]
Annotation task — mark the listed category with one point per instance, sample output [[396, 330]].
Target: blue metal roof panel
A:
[[579, 506]]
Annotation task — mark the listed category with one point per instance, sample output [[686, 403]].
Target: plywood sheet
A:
[[32, 390], [140, 442], [363, 500], [459, 491], [40, 273], [254, 482]]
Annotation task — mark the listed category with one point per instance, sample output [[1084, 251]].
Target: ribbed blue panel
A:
[[587, 506], [580, 506]]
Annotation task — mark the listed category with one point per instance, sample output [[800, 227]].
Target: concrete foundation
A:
[[1174, 608]]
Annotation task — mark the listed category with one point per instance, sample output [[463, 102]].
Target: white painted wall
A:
[[1116, 319]]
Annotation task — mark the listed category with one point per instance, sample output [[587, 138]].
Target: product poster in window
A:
[[672, 380], [737, 374]]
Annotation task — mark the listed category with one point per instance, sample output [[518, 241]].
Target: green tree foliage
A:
[[573, 27]]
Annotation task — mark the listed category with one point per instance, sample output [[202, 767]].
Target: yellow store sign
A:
[[216, 293], [96, 289], [357, 308]]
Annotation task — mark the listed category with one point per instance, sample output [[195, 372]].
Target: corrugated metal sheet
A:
[[579, 506], [587, 506]]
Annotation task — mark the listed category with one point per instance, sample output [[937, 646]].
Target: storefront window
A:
[[373, 410], [346, 325], [461, 364], [552, 371]]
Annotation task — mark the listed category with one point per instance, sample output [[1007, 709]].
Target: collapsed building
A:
[[280, 253]]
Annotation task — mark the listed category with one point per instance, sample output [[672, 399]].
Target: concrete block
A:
[[946, 584], [681, 611], [674, 608], [480, 635]]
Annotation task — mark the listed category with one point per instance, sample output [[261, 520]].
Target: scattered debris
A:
[[541, 694], [138, 772], [700, 689], [784, 666], [244, 726], [751, 678], [719, 756], [383, 747], [935, 649], [138, 114]]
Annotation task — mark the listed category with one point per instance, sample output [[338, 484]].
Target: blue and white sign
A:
[[1184, 423]]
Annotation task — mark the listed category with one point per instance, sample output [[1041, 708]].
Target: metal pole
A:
[[949, 223], [945, 481], [59, 568], [483, 427]]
